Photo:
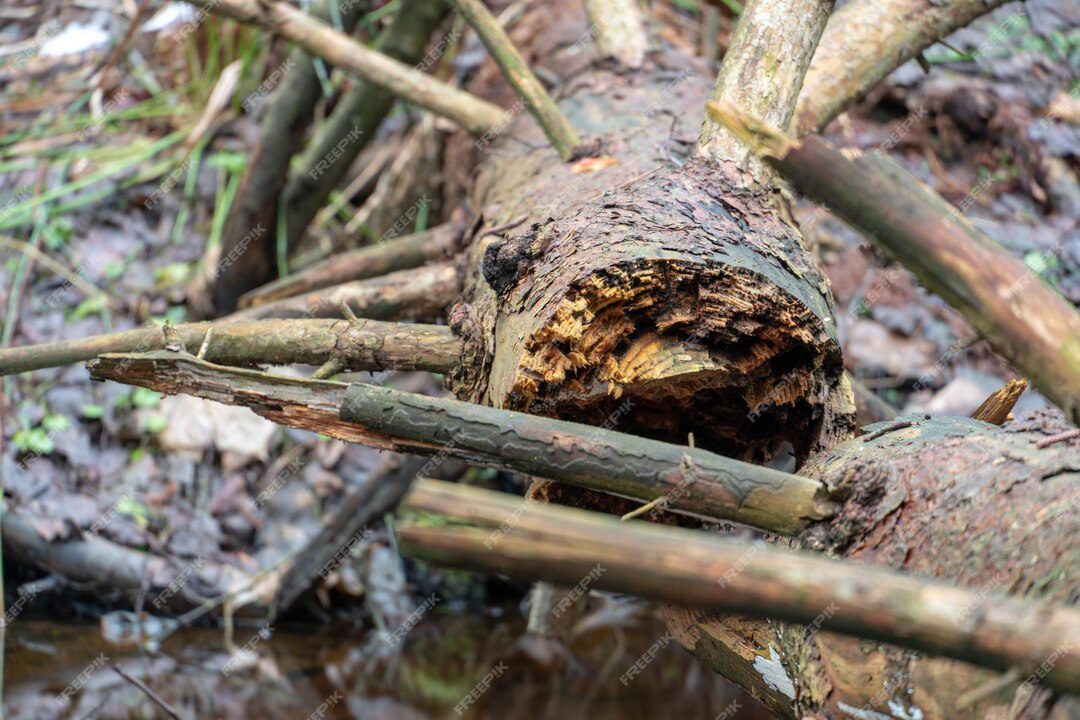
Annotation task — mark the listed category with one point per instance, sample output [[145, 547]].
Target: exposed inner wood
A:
[[653, 281]]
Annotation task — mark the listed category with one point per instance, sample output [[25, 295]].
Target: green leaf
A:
[[57, 233], [155, 423], [173, 274], [35, 440], [134, 509], [114, 269], [55, 423], [144, 398], [1040, 262], [92, 412], [89, 306]]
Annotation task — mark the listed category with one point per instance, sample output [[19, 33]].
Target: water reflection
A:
[[449, 663]]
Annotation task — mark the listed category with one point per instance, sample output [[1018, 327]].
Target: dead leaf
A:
[[593, 164]]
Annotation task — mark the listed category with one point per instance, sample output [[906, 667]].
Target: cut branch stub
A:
[[633, 279]]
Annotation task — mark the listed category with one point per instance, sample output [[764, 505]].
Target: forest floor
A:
[[115, 180]]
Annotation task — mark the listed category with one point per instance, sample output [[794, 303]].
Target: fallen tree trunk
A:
[[646, 275], [948, 498]]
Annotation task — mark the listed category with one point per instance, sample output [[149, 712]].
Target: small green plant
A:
[[92, 305], [145, 399], [39, 440]]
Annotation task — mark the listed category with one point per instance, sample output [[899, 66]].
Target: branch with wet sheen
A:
[[502, 534]]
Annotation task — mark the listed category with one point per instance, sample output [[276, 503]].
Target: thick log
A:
[[383, 258], [1024, 318], [691, 568], [955, 499], [693, 481], [670, 283], [365, 345]]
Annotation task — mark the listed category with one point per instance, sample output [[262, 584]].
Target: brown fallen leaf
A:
[[593, 164]]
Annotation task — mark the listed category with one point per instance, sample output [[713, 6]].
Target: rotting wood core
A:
[[680, 296]]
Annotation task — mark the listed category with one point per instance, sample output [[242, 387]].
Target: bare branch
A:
[[473, 114], [517, 73], [564, 545], [693, 481], [366, 345], [763, 71], [619, 28], [864, 41]]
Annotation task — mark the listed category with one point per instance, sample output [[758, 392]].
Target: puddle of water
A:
[[449, 665]]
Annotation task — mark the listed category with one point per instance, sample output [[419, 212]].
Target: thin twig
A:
[[158, 700], [887, 429], [320, 40], [205, 343], [517, 73], [1060, 437]]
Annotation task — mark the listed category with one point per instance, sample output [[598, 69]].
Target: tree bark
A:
[[693, 481], [1025, 319], [366, 345], [421, 293], [949, 498], [656, 278]]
